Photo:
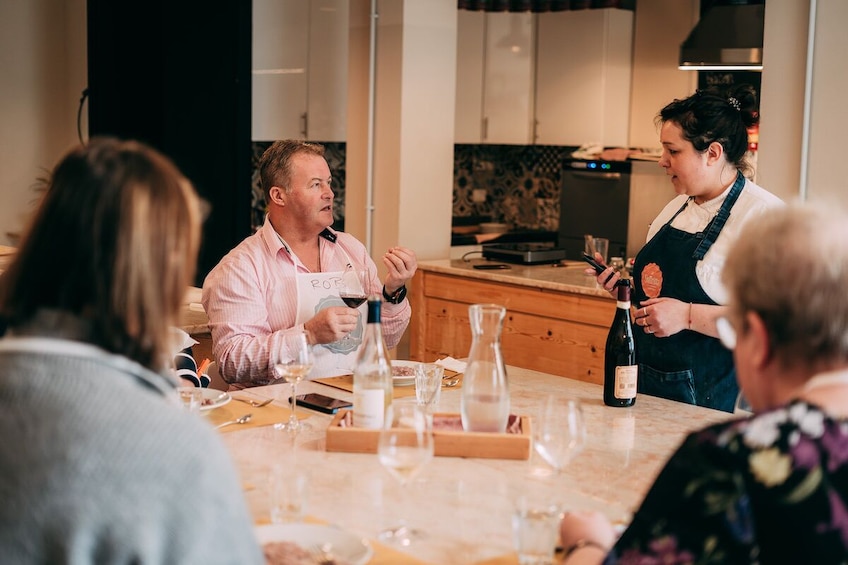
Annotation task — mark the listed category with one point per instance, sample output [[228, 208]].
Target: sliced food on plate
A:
[[403, 373], [306, 544]]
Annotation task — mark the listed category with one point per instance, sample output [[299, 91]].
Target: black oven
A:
[[594, 199]]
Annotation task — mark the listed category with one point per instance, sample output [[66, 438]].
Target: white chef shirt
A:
[[752, 202]]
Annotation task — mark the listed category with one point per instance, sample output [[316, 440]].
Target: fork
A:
[[254, 403]]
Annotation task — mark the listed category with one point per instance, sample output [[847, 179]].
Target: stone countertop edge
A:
[[566, 277]]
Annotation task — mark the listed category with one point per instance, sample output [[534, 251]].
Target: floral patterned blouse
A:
[[772, 488]]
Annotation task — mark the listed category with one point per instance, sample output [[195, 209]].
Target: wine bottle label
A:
[[622, 305], [625, 381], [369, 405]]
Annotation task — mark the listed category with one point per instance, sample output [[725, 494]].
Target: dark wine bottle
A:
[[620, 369]]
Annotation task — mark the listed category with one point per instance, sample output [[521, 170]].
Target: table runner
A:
[[345, 382], [264, 416]]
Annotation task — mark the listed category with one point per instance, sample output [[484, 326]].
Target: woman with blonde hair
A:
[[99, 464], [772, 487]]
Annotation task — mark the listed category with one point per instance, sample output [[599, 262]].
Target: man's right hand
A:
[[331, 324]]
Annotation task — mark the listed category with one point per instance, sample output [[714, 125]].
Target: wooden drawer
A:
[[555, 332]]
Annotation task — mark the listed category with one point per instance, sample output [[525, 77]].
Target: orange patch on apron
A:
[[652, 279]]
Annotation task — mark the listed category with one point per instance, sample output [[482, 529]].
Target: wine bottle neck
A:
[[374, 311]]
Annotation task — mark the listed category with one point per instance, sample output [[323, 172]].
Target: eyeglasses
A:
[[726, 333]]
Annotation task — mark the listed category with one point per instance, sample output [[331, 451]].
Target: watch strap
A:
[[397, 296]]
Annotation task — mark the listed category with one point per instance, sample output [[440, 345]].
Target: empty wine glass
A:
[[405, 446], [353, 289], [561, 432], [292, 360]]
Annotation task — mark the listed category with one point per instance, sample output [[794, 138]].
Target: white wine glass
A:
[[292, 360], [561, 432], [404, 447], [353, 289]]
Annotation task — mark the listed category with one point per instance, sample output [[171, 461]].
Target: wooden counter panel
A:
[[536, 301], [556, 332], [558, 347]]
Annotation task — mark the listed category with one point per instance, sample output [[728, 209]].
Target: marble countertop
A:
[[567, 276], [464, 505]]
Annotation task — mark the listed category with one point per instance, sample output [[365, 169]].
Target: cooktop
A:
[[524, 253]]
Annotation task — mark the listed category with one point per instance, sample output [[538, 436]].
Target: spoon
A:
[[242, 420]]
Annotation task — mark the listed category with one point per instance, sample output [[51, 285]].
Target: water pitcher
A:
[[485, 391]]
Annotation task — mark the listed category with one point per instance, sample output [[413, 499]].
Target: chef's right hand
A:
[[331, 324], [608, 278]]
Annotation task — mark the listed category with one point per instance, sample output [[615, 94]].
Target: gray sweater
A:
[[98, 465]]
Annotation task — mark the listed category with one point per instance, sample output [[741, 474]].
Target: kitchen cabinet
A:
[[494, 81], [555, 78], [299, 70], [557, 319], [583, 70]]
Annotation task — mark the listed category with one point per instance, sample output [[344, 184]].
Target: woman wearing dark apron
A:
[[678, 293]]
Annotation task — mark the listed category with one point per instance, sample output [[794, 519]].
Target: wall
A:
[[782, 98], [826, 178], [42, 76], [413, 128], [786, 165]]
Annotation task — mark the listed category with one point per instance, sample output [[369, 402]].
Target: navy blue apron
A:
[[688, 366]]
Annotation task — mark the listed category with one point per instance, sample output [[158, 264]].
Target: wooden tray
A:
[[515, 444]]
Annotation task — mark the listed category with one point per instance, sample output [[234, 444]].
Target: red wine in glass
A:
[[353, 300]]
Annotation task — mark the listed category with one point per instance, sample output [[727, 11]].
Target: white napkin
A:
[[452, 364]]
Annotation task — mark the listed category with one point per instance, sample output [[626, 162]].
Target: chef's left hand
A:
[[663, 316], [401, 265]]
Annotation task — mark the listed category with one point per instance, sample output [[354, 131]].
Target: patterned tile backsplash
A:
[[522, 183]]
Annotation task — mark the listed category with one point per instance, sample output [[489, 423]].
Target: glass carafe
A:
[[485, 391]]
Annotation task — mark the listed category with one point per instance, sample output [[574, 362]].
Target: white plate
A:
[[406, 380], [344, 545], [213, 398]]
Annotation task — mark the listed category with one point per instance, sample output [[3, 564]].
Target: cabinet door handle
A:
[[596, 176], [485, 128], [304, 129]]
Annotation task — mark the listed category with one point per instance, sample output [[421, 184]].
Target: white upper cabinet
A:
[[299, 70], [495, 65], [583, 77], [569, 72], [470, 55]]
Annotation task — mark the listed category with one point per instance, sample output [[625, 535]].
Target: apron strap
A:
[[711, 232]]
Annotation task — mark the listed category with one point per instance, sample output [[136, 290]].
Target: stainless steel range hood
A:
[[727, 37]]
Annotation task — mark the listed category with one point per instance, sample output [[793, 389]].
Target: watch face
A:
[[397, 297]]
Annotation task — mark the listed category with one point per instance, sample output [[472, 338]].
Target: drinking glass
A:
[[428, 385], [292, 360], [404, 447], [561, 432], [353, 289]]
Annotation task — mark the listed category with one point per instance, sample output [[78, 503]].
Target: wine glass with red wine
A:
[[353, 289]]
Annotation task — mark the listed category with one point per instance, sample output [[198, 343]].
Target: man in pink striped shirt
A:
[[286, 277]]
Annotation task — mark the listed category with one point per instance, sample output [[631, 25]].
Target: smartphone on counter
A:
[[490, 266], [321, 403]]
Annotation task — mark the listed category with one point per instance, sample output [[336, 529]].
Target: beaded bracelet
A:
[[581, 543]]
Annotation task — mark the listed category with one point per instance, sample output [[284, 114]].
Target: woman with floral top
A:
[[773, 487]]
